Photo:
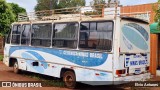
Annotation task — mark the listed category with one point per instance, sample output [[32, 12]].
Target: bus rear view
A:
[[134, 50]]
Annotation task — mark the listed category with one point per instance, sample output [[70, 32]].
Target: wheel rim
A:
[[69, 80], [15, 66]]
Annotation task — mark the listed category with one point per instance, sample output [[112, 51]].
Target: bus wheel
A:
[[69, 79], [15, 67]]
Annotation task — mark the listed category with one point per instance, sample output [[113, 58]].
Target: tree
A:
[[70, 3], [45, 5], [57, 4], [16, 9], [157, 15], [98, 4], [109, 2], [6, 17]]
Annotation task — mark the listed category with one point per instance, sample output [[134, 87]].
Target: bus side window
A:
[[25, 36], [41, 34], [96, 35], [105, 30], [65, 35], [16, 32]]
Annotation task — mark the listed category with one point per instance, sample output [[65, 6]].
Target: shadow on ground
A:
[[56, 82]]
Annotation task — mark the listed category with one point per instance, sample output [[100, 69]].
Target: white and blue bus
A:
[[92, 49]]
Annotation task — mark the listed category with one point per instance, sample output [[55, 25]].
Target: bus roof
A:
[[85, 19], [66, 20]]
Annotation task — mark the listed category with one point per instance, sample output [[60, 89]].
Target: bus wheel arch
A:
[[69, 77], [14, 63]]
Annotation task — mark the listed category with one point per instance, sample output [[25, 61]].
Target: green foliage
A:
[[109, 1], [45, 5], [1, 57], [57, 4], [157, 16], [88, 13], [6, 17], [70, 3], [8, 14], [16, 9], [98, 4], [47, 81]]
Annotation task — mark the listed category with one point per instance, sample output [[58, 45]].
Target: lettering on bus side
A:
[[96, 55], [83, 54]]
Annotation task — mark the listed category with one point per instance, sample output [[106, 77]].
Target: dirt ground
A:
[[6, 74]]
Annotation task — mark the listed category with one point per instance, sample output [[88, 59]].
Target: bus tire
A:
[[16, 68], [69, 79]]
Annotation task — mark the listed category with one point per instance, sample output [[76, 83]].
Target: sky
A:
[[30, 4]]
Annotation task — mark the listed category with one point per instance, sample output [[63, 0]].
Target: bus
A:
[[95, 50]]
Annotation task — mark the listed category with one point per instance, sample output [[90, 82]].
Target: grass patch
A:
[[54, 83], [1, 57], [47, 80]]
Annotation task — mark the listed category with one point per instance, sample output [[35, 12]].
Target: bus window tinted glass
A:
[[92, 26], [104, 26], [41, 34], [25, 37], [16, 31], [84, 26], [65, 35], [98, 37]]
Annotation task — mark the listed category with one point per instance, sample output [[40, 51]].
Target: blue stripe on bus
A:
[[39, 57], [85, 60], [29, 62]]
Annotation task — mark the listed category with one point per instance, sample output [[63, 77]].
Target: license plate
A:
[[137, 71], [135, 61]]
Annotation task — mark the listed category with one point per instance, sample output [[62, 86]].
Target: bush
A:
[[1, 57]]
